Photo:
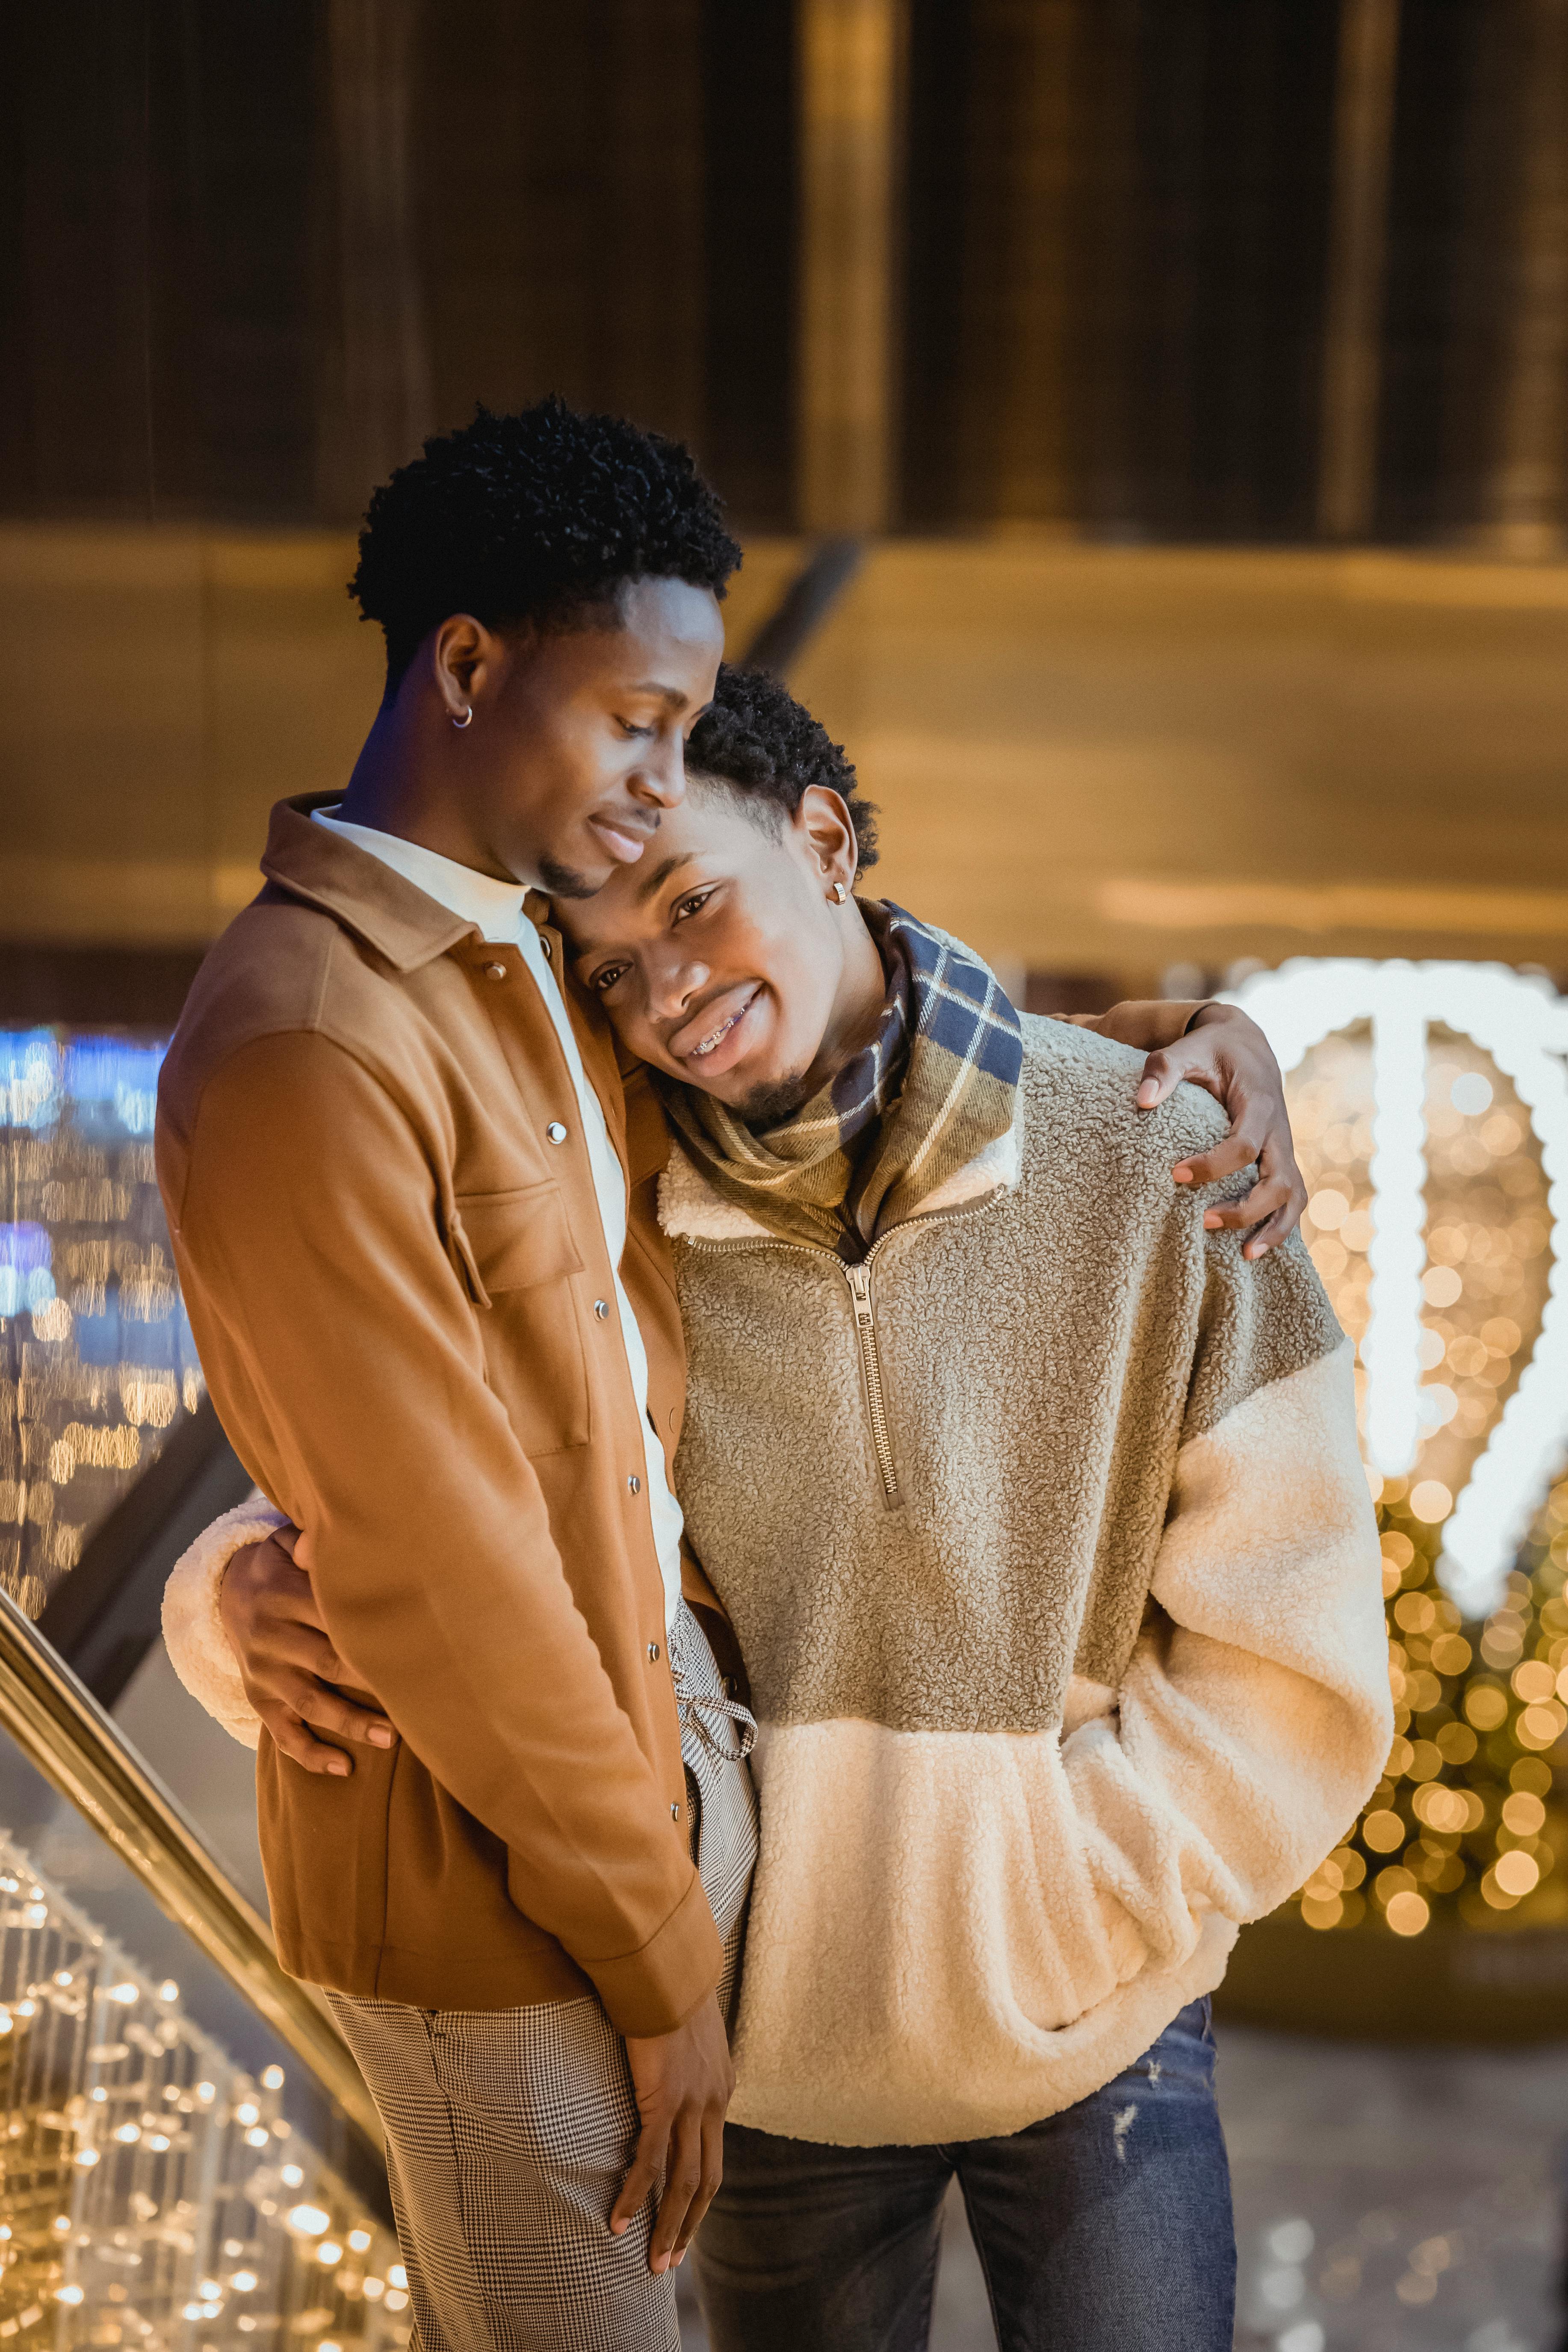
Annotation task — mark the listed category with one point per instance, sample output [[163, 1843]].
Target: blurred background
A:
[[1147, 423]]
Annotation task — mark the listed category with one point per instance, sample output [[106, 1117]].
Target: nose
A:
[[658, 780], [673, 980]]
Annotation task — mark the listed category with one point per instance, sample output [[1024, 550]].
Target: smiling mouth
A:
[[715, 1037], [625, 842]]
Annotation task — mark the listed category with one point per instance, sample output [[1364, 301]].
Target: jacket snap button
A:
[[545, 943], [634, 1483], [495, 972], [675, 1812], [555, 1131], [653, 1653], [601, 1309]]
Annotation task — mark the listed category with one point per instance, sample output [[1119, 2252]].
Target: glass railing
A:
[[190, 2158], [97, 1365]]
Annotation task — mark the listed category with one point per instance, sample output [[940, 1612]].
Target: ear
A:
[[822, 821], [465, 664]]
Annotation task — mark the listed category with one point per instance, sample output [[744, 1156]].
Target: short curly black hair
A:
[[766, 748], [538, 517]]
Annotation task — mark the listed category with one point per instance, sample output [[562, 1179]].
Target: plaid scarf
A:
[[933, 1088]]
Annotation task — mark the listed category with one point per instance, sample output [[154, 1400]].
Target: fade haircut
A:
[[766, 749], [541, 519]]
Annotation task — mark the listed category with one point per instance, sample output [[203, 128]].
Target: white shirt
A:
[[496, 908]]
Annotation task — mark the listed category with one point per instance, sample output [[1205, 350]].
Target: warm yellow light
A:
[[307, 2222], [1486, 1705], [1534, 1681], [1517, 1872], [1430, 1501], [1523, 1813], [1322, 1910], [1383, 1832], [359, 2240], [1407, 1914]]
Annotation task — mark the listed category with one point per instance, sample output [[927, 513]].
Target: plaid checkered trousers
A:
[[509, 2131], [935, 1085]]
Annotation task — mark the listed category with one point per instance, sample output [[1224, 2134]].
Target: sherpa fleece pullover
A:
[[1053, 1565], [1103, 1676]]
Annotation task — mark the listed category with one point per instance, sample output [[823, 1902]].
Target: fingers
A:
[[682, 2186], [1233, 1151], [1162, 1074], [712, 2176], [642, 2176], [1236, 1216], [1279, 1174], [327, 1711], [291, 1736], [1273, 1206]]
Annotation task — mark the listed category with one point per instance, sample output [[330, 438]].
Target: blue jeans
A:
[[1108, 2226]]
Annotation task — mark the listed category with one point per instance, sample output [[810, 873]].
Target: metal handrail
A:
[[62, 1731]]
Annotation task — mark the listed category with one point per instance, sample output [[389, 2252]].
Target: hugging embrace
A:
[[806, 1511]]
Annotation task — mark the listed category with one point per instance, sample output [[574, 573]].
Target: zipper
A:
[[858, 1279], [871, 1373]]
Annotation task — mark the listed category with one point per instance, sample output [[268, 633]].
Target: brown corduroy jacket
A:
[[394, 1272]]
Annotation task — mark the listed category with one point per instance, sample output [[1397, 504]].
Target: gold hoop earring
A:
[[467, 719], [839, 892]]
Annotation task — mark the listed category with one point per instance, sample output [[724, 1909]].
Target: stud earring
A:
[[467, 719], [839, 892]]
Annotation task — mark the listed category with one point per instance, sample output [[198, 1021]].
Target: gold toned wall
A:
[[1087, 758], [1097, 758], [162, 689]]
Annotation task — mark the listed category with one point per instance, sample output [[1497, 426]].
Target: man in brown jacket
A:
[[396, 1174]]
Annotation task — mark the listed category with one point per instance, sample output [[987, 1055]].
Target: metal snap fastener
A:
[[495, 972], [675, 1812], [555, 1131], [634, 1484], [601, 1309], [653, 1653], [545, 943]]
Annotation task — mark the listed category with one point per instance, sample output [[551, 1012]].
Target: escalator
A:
[[188, 2157]]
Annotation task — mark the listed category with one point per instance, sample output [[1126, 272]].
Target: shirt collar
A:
[[319, 865], [495, 907]]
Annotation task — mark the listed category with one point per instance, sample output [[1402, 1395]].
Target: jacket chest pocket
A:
[[523, 1273]]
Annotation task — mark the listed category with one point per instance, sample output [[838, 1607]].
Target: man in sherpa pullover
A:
[[1035, 1504]]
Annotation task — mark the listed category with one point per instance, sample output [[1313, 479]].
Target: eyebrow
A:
[[661, 872], [670, 694]]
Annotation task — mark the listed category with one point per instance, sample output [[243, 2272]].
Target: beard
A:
[[774, 1100], [564, 881]]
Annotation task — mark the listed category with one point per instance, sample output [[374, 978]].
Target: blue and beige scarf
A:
[[933, 1088]]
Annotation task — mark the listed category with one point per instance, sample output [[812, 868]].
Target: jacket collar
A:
[[380, 907]]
